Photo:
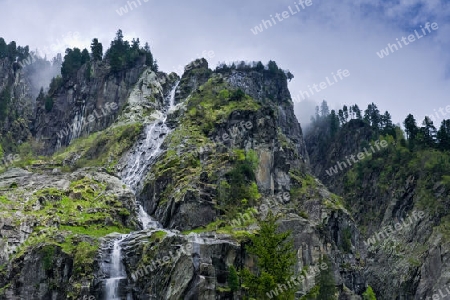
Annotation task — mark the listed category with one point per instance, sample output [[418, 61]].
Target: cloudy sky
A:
[[313, 42]]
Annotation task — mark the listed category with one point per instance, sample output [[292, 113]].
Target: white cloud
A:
[[327, 36]]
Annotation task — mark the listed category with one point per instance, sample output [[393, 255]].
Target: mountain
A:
[[397, 196], [120, 181]]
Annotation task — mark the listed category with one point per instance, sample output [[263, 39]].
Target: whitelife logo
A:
[[284, 15], [124, 10], [361, 155], [322, 86], [235, 131], [157, 263], [78, 126], [383, 234], [411, 38]]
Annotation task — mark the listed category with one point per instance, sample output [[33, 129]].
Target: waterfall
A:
[[117, 272], [147, 221], [139, 161], [148, 149], [144, 155]]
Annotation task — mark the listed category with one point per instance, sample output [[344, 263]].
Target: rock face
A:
[[398, 200], [202, 140], [43, 259], [83, 105], [351, 140], [272, 131], [17, 104], [197, 264]]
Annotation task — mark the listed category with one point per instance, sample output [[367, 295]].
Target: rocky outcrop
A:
[[272, 88], [271, 130], [45, 253], [221, 121], [181, 267], [195, 74], [186, 198], [17, 105], [326, 151], [84, 104], [398, 199]]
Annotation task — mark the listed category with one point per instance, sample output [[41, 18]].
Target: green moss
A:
[[213, 103], [124, 212], [369, 294], [4, 200], [102, 148], [304, 185], [80, 210], [84, 258], [95, 230], [158, 236], [84, 203], [303, 214], [221, 289]]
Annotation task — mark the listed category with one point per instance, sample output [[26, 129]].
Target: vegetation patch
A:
[[101, 149]]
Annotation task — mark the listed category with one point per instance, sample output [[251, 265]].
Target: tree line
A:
[[12, 51], [270, 69], [121, 55], [424, 136], [380, 123]]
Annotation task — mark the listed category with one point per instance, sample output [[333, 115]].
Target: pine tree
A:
[[326, 282], [12, 51], [317, 114], [372, 116], [324, 110], [443, 135], [289, 76], [259, 66], [428, 132], [341, 117], [3, 48], [275, 259], [410, 127], [72, 62], [386, 123], [357, 112], [85, 57], [273, 67], [345, 110], [233, 279], [148, 56], [97, 50], [334, 123], [369, 294]]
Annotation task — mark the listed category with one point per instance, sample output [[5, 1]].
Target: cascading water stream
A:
[[148, 149], [147, 221], [117, 272], [143, 156]]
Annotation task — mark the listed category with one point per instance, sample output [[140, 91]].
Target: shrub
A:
[[369, 294], [48, 104], [233, 279]]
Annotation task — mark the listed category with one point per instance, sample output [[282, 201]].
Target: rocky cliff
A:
[[83, 104], [156, 198], [17, 103], [398, 198]]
